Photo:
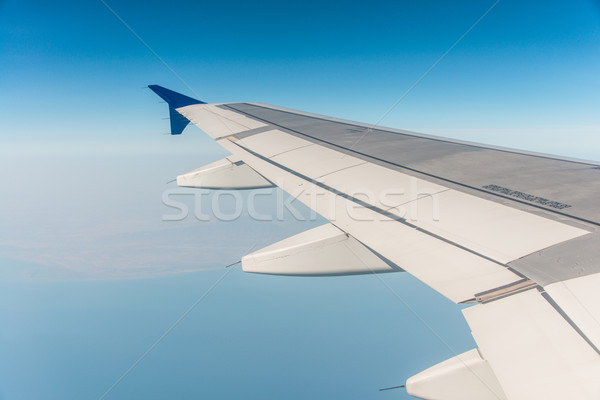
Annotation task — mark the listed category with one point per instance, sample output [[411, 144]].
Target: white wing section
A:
[[497, 231], [274, 142], [534, 351], [579, 298]]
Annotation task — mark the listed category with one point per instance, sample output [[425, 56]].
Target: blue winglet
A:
[[175, 100]]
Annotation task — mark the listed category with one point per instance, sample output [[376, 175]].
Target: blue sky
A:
[[90, 276], [525, 76]]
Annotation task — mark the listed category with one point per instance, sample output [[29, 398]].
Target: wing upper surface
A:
[[559, 185]]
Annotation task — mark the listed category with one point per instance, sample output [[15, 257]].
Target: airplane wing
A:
[[514, 233]]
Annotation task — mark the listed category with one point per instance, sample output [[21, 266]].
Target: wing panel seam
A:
[[566, 317]]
